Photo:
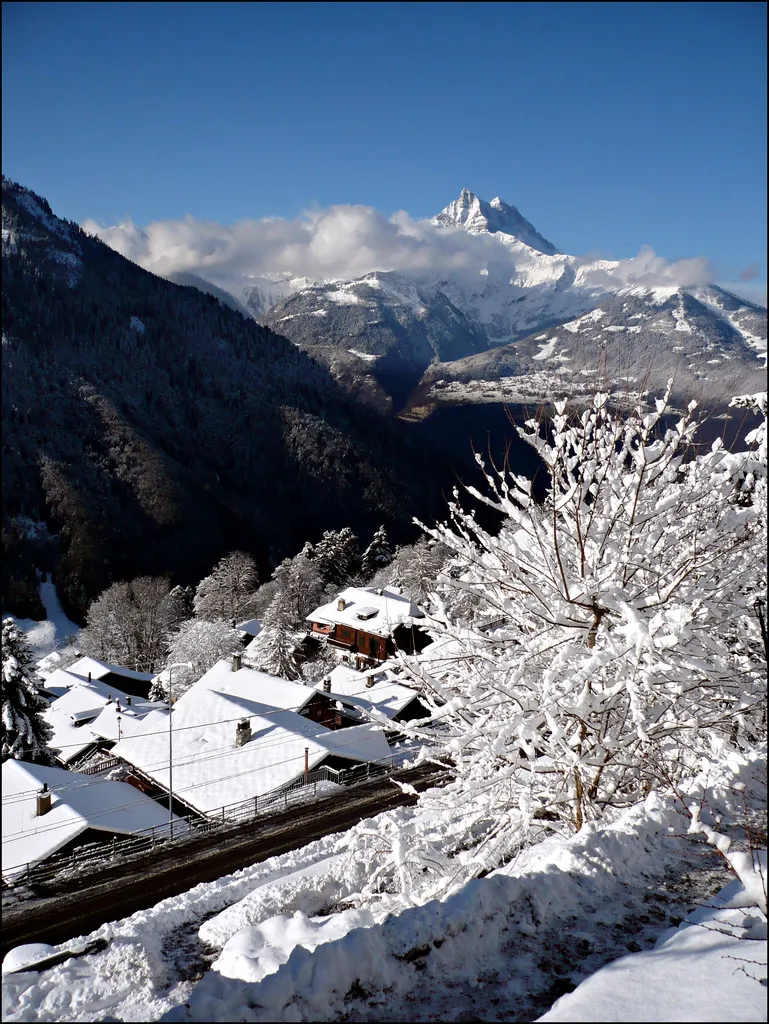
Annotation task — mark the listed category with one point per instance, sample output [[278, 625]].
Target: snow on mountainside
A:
[[630, 342], [476, 216], [377, 330], [475, 277], [564, 322]]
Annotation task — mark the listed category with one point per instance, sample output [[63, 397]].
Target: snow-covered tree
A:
[[337, 555], [377, 555], [159, 688], [25, 733], [276, 649], [129, 623], [185, 599], [228, 593], [414, 569], [319, 664], [624, 644], [202, 644], [298, 590]]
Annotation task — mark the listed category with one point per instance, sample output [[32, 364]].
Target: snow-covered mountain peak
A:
[[479, 217]]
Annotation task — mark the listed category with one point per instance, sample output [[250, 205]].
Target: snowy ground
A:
[[51, 633], [702, 971], [288, 940]]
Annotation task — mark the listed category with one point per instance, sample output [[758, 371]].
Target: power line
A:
[[142, 801], [213, 754]]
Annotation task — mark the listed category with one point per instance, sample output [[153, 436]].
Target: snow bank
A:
[[254, 952], [692, 975], [132, 978], [506, 926], [484, 953], [23, 956], [462, 937]]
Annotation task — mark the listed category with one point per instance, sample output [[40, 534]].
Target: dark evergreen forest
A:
[[153, 429]]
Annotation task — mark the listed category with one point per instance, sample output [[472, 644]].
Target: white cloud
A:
[[346, 242], [648, 270], [339, 243]]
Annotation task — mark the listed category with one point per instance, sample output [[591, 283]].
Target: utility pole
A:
[[176, 664]]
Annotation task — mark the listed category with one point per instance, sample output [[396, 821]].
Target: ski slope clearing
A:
[[293, 939], [50, 634]]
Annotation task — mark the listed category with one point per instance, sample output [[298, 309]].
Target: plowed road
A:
[[120, 890]]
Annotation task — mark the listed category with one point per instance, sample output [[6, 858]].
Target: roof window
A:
[[368, 613]]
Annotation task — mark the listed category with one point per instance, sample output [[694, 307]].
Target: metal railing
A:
[[102, 766], [94, 857]]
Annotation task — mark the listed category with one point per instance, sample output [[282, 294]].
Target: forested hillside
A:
[[148, 428]]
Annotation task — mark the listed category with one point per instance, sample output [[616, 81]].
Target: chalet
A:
[[367, 625], [239, 735], [49, 811], [89, 715], [376, 690], [275, 692]]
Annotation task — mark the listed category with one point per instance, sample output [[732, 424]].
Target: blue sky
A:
[[609, 125]]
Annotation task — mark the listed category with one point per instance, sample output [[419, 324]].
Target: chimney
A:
[[128, 700], [327, 686], [236, 662], [341, 604], [242, 732], [369, 682], [89, 677], [43, 800]]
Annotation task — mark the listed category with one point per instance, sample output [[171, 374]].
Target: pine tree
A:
[[158, 691], [377, 555], [414, 569], [185, 600], [25, 733], [337, 555], [276, 648]]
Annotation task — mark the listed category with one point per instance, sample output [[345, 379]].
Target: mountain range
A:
[[150, 427], [516, 320]]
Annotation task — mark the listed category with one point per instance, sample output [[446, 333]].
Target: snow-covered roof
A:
[[99, 669], [386, 695], [74, 715], [61, 680], [257, 686], [79, 802], [210, 771], [68, 741], [112, 722], [251, 626], [373, 610]]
